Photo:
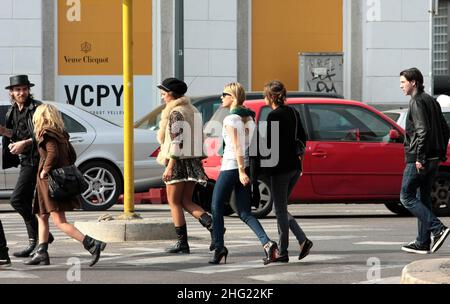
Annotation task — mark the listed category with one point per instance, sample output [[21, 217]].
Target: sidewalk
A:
[[430, 271]]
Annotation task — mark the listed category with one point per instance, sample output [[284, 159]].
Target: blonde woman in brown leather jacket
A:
[[55, 151]]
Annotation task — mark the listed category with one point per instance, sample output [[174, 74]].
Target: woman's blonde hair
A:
[[237, 92], [47, 115]]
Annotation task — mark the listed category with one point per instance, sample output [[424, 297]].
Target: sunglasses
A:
[[225, 94]]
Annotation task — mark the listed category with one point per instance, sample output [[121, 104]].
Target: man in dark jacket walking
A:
[[19, 148], [426, 141]]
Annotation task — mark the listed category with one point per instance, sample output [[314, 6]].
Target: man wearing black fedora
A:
[[19, 148]]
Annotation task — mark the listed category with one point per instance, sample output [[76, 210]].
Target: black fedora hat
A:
[[19, 80]]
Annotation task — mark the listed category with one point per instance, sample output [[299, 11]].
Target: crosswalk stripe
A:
[[6, 274], [163, 260], [211, 269], [226, 267], [388, 280], [381, 243]]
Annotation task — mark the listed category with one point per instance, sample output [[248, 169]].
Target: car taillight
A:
[[156, 152]]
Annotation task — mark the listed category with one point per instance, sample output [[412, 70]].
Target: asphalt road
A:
[[352, 244]]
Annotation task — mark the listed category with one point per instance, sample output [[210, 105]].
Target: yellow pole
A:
[[127, 13]]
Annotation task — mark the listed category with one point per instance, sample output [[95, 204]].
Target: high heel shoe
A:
[[271, 249], [306, 247], [282, 259], [218, 255]]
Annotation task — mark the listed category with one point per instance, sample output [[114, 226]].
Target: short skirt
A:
[[188, 170]]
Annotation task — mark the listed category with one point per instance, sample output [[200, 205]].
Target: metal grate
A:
[[440, 47]]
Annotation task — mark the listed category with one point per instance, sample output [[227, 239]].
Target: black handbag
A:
[[299, 145], [66, 182]]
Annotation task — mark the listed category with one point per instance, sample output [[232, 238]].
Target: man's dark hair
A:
[[413, 74]]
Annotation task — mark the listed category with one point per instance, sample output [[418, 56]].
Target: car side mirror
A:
[[394, 134]]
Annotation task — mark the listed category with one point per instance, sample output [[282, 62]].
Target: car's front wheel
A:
[[440, 195], [105, 185]]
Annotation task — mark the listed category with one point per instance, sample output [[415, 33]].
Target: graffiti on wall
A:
[[321, 73]]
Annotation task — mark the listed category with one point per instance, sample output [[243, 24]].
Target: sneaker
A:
[[440, 238], [414, 248], [306, 248]]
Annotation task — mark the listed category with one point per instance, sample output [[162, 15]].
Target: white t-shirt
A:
[[245, 134]]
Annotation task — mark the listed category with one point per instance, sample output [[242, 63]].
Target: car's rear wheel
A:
[[397, 208], [202, 196], [105, 185], [440, 194], [264, 207]]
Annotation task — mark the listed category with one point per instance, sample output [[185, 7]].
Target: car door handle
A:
[[76, 139], [321, 154]]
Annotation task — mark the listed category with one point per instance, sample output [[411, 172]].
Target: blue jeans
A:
[[281, 186], [415, 195], [226, 182]]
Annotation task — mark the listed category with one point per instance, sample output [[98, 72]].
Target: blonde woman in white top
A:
[[238, 129]]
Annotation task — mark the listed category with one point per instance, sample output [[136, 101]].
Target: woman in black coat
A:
[[285, 174]]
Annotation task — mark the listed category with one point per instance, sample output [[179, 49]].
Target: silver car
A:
[[99, 146], [399, 115]]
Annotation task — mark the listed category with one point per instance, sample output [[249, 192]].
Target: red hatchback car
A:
[[354, 154]]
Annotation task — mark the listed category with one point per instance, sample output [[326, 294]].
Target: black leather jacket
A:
[[427, 133], [12, 160]]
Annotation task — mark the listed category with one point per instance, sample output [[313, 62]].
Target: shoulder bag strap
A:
[[296, 122]]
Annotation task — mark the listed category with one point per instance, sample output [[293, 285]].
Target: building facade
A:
[[72, 48]]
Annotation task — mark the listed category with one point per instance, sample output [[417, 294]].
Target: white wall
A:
[[396, 36], [20, 43], [210, 44]]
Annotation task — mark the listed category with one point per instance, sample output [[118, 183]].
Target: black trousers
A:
[[2, 236], [23, 194]]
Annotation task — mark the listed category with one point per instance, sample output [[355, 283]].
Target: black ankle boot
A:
[[41, 255], [32, 230], [49, 241], [95, 247], [181, 246], [50, 238], [206, 221], [218, 255], [28, 250], [4, 256]]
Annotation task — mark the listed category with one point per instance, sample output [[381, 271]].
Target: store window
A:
[[441, 75]]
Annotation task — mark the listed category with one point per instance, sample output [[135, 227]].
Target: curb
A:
[[128, 230], [435, 271]]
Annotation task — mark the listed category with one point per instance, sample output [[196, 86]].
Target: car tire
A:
[[265, 203], [105, 185], [397, 208], [440, 194], [202, 196]]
